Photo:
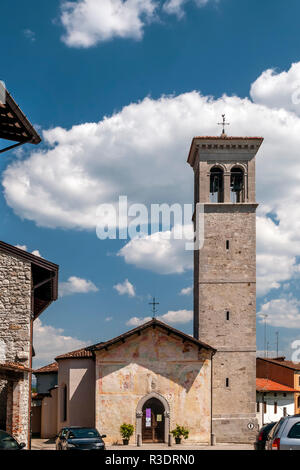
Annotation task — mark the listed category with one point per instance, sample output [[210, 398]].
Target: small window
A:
[[284, 394], [227, 382], [295, 431], [265, 407], [284, 411], [227, 244], [257, 407], [299, 380], [275, 408], [227, 315], [64, 403]]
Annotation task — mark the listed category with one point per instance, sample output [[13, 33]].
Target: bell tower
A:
[[225, 277]]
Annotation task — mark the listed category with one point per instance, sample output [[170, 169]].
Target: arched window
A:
[[237, 186], [216, 184]]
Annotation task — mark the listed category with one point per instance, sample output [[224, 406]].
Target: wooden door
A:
[[153, 424]]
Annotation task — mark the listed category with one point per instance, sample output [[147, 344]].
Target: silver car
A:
[[285, 435]]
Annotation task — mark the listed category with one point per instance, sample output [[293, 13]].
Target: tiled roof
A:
[[282, 362], [47, 369], [221, 137], [79, 353], [151, 324], [266, 385], [14, 367]]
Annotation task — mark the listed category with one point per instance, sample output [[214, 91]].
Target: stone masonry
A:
[[225, 283], [15, 313]]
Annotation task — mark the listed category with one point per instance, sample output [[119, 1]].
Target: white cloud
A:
[[93, 163], [186, 291], [278, 90], [24, 248], [283, 312], [178, 316], [176, 7], [88, 22], [159, 252], [76, 285], [125, 288], [29, 34], [108, 319], [50, 342]]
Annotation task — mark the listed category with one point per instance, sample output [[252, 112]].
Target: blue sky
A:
[[71, 67]]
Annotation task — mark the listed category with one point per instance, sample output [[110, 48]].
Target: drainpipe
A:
[[30, 367], [212, 436]]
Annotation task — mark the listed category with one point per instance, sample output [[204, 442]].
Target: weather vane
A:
[[224, 123], [154, 309]]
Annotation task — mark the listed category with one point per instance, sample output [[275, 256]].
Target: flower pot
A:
[[177, 440], [125, 442]]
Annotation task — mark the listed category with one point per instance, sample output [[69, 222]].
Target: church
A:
[[154, 376]]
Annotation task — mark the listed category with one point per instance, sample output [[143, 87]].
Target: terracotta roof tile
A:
[[14, 367], [282, 362], [266, 385], [79, 353], [46, 369]]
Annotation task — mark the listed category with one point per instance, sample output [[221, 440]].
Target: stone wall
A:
[[15, 313]]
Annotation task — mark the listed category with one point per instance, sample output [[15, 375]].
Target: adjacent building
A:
[[277, 389], [28, 285]]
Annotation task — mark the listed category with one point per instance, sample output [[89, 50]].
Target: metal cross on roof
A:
[[224, 123], [154, 309]]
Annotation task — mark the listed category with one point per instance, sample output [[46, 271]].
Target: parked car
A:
[[261, 438], [80, 438], [7, 442], [285, 435]]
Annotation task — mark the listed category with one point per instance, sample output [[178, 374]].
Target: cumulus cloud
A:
[[160, 252], [177, 316], [186, 291], [278, 89], [125, 288], [283, 312], [50, 342], [130, 153], [76, 285], [88, 22], [24, 248]]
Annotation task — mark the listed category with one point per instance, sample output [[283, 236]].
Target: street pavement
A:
[[49, 444]]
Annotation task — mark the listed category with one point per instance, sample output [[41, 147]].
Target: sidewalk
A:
[[49, 444]]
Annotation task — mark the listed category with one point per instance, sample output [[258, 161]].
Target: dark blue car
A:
[[79, 438]]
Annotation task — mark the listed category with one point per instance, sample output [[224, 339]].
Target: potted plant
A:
[[126, 431], [180, 432]]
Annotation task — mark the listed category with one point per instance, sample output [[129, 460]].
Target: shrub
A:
[[180, 431], [126, 430]]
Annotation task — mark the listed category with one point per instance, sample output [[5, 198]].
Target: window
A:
[[299, 380], [284, 411], [298, 402], [216, 184], [227, 382], [227, 315], [257, 407], [237, 185], [295, 431], [227, 244], [265, 407], [275, 407], [64, 403]]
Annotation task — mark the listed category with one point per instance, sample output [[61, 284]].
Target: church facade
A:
[[156, 377]]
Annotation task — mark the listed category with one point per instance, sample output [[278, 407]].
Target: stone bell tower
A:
[[225, 277]]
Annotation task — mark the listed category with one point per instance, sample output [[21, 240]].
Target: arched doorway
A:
[[153, 421], [160, 425]]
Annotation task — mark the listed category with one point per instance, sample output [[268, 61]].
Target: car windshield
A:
[[83, 433], [7, 442]]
